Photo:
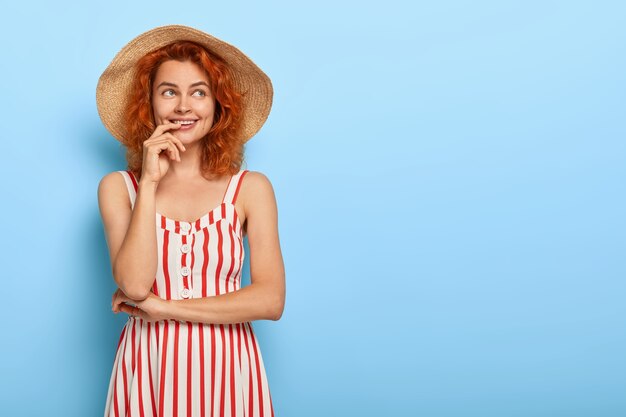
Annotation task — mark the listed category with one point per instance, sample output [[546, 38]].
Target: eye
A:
[[202, 93], [167, 93]]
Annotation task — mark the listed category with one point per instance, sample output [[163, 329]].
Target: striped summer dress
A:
[[175, 368]]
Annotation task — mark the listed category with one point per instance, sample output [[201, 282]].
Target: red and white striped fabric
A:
[[174, 368]]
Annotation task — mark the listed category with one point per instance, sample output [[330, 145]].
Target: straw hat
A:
[[115, 82]]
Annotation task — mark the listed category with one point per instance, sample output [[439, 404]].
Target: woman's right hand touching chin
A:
[[158, 151]]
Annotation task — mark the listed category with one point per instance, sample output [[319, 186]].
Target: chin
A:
[[188, 140]]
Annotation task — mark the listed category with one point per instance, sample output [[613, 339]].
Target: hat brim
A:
[[115, 82]]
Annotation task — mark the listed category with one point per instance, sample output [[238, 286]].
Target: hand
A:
[[150, 309], [156, 162]]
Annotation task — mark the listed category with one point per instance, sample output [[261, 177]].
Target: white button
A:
[[185, 293], [185, 248], [185, 226], [185, 271]]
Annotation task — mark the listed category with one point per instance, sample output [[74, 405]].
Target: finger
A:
[[160, 129], [173, 148], [119, 300], [125, 308], [115, 297], [116, 305], [173, 151], [178, 142], [162, 145], [174, 141], [135, 311]]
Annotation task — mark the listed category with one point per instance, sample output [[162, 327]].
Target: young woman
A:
[[184, 103]]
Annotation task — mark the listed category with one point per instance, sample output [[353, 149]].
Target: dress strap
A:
[[234, 184], [131, 185]]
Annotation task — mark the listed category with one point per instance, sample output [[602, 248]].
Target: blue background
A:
[[451, 187]]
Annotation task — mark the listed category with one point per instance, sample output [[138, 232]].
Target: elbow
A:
[[136, 293], [276, 309], [133, 290], [277, 316]]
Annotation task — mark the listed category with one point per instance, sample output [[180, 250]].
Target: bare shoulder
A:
[[256, 186], [255, 180], [111, 179], [257, 191], [115, 210], [112, 191]]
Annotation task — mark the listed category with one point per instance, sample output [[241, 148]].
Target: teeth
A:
[[184, 122]]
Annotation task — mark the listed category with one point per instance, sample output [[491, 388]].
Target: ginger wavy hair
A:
[[223, 149]]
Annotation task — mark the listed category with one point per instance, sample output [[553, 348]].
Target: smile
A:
[[184, 122]]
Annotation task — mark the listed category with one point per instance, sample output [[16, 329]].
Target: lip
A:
[[187, 126]]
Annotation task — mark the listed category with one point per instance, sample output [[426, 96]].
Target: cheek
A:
[[162, 108], [158, 113], [209, 110], [209, 114]]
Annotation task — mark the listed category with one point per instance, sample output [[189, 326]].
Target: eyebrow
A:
[[197, 83]]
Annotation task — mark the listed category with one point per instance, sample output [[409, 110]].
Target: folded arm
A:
[[264, 298]]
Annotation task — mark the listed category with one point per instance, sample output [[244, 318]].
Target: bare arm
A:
[[264, 298], [131, 233]]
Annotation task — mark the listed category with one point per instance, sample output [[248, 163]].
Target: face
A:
[[181, 94]]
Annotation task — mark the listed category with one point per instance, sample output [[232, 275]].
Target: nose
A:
[[182, 107]]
